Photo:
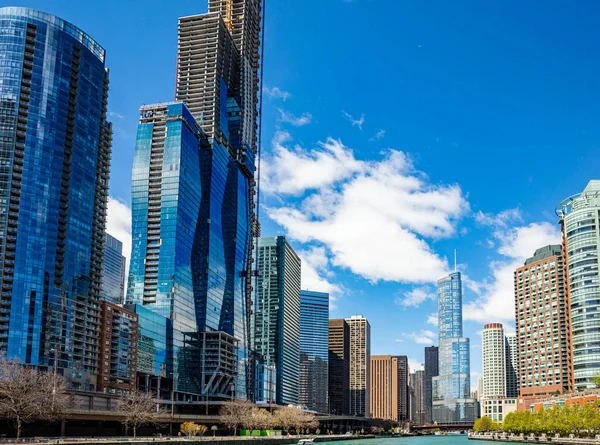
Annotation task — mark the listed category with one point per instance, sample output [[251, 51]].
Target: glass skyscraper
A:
[[276, 316], [113, 273], [314, 353], [580, 223], [55, 146], [452, 388], [193, 212]]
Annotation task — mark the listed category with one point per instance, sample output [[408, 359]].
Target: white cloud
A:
[[414, 364], [314, 265], [364, 213], [503, 219], [117, 115], [423, 337], [355, 122], [415, 297], [496, 301], [118, 225], [377, 136], [432, 319], [276, 93], [295, 170], [296, 121]]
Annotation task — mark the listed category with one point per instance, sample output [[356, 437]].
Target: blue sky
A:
[[394, 132]]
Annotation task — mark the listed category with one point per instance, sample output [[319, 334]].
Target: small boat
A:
[[453, 433], [438, 433], [306, 441]]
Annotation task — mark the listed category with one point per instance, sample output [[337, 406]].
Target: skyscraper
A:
[[339, 366], [497, 400], [360, 360], [579, 221], [512, 359], [55, 147], [452, 388], [314, 356], [431, 371], [277, 315], [113, 272], [493, 360], [168, 272], [544, 362], [389, 390], [418, 383]]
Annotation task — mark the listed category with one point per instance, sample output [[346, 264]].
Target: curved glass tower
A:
[[451, 389], [54, 162], [579, 220]]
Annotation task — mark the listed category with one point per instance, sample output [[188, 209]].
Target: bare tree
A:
[[286, 418], [235, 414], [257, 419], [305, 421], [139, 408], [27, 394]]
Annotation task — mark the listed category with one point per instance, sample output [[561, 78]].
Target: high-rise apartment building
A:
[[418, 383], [493, 360], [339, 366], [360, 359], [314, 350], [543, 326], [55, 148], [512, 364], [277, 315], [498, 396], [113, 272], [206, 297], [389, 390], [452, 388], [431, 371], [180, 268], [118, 349], [579, 221]]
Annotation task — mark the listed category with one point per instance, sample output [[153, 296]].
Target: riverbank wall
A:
[[222, 440], [532, 438]]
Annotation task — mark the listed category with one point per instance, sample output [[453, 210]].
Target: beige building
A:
[[360, 358], [389, 387]]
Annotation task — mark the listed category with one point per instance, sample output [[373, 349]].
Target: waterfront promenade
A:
[[533, 438]]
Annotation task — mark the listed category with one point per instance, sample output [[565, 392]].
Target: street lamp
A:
[[214, 429]]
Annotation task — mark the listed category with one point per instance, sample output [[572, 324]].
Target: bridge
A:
[[443, 427]]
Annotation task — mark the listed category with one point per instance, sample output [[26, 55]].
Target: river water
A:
[[418, 440]]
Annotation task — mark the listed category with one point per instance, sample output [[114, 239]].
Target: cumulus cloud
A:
[[118, 225], [432, 319], [414, 364], [355, 122], [423, 337], [373, 217], [315, 264], [516, 244], [276, 93], [296, 121], [415, 297]]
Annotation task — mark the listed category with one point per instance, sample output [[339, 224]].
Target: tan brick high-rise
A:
[[543, 326], [389, 387]]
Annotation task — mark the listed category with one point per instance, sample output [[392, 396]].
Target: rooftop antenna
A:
[[454, 260]]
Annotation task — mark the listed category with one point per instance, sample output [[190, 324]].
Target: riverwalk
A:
[[533, 438], [222, 440]]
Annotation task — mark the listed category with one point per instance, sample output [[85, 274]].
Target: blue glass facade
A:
[[54, 161], [113, 272], [451, 389], [314, 350], [276, 316], [190, 236]]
